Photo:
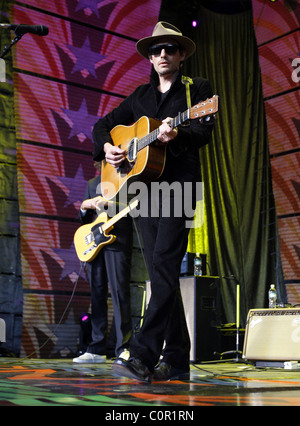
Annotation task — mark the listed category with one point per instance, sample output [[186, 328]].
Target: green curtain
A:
[[239, 224]]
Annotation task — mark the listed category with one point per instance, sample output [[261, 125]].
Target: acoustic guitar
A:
[[145, 155], [90, 238]]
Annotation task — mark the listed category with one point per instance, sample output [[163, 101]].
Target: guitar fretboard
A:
[[119, 215], [152, 136]]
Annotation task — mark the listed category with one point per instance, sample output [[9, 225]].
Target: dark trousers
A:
[[113, 267], [165, 241]]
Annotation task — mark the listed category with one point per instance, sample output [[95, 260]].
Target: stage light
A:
[[85, 334], [194, 23], [84, 317]]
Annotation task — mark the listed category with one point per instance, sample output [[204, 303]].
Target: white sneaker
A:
[[88, 358], [125, 354]]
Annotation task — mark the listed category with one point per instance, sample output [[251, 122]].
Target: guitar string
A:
[[151, 137], [181, 118]]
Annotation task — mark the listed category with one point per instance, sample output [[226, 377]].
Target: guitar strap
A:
[[187, 81]]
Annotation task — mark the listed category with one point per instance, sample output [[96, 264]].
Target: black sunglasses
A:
[[170, 49]]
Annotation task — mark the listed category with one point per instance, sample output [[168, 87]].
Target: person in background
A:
[[111, 265]]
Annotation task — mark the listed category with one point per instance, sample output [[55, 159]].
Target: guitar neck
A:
[[152, 136], [202, 109], [119, 216]]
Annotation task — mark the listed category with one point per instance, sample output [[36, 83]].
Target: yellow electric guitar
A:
[[145, 155], [90, 238]]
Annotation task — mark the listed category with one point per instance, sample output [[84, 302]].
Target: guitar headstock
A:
[[205, 108]]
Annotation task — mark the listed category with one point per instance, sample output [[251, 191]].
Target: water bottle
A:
[[197, 265], [272, 295]]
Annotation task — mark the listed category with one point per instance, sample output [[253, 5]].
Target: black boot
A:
[[133, 369], [165, 371]]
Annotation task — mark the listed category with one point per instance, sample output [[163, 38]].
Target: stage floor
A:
[[40, 382]]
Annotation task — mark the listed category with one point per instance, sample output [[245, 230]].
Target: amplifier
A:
[[201, 305], [272, 335]]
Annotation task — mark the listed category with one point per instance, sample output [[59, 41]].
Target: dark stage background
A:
[[56, 87]]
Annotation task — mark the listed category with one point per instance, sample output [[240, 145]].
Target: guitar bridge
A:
[[89, 238]]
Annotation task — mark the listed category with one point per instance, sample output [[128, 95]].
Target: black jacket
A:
[[182, 158]]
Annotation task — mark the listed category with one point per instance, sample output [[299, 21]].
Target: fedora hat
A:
[[164, 30]]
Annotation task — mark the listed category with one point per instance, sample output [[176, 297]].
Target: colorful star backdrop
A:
[[63, 83], [278, 38]]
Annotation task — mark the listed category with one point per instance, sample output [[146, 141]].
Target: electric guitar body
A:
[[89, 239]]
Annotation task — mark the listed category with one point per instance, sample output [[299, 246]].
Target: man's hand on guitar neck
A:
[[166, 133], [95, 203], [114, 155]]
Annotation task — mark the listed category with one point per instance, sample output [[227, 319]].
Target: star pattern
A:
[[78, 56], [83, 122], [64, 333], [71, 263], [76, 186], [86, 59], [89, 5]]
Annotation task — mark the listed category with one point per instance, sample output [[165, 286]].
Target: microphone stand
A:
[[237, 352], [7, 48]]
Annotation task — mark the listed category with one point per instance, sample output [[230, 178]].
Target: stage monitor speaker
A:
[[200, 301], [272, 335]]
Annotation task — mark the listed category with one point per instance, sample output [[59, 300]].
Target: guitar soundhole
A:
[[132, 150]]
